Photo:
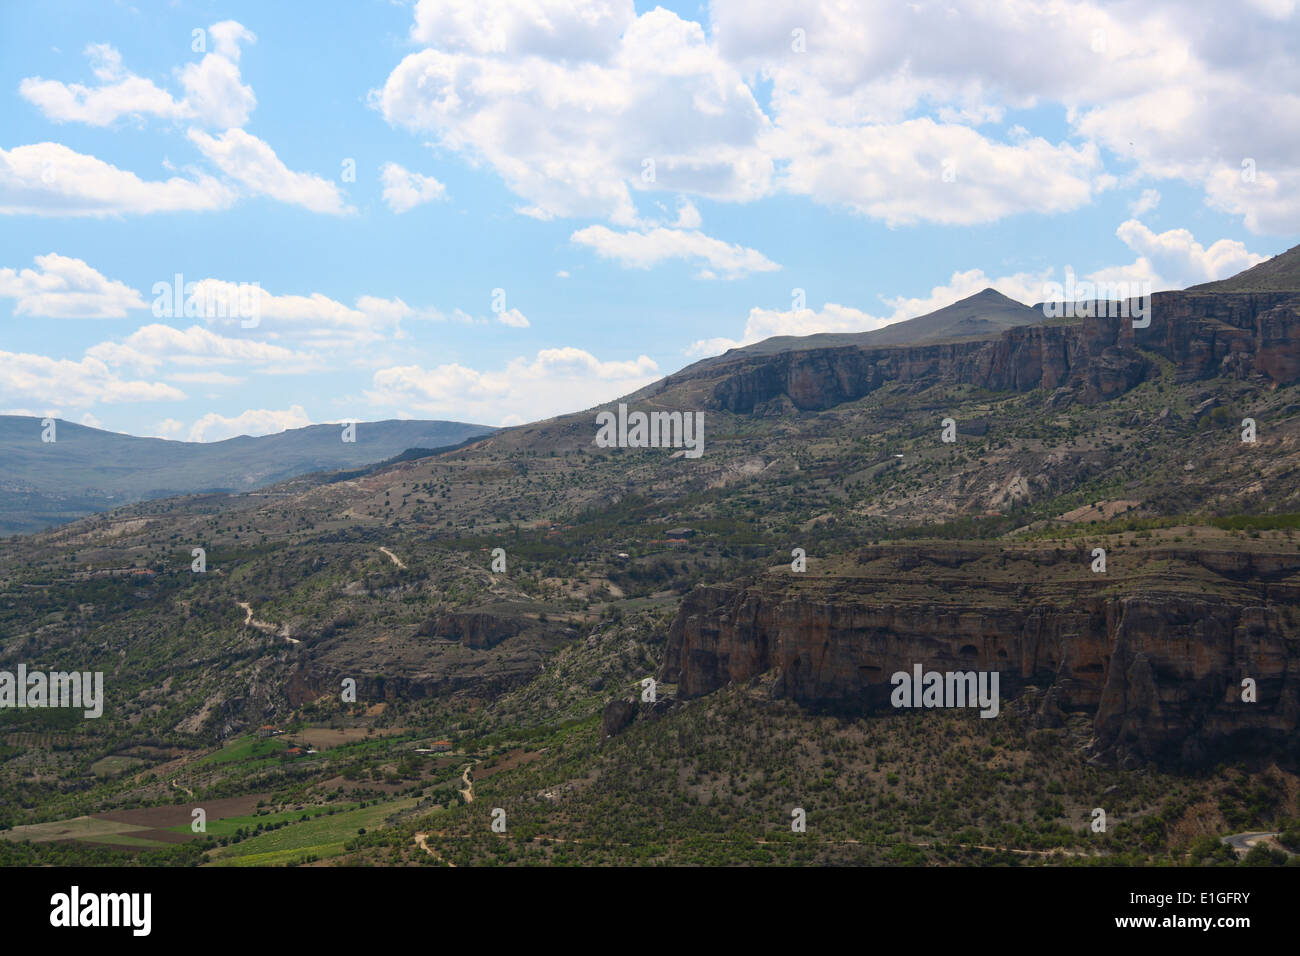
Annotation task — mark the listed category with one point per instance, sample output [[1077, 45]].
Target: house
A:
[[267, 730], [440, 746], [293, 752]]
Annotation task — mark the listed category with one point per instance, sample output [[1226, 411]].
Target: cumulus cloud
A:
[[49, 179], [1149, 199], [61, 287], [558, 29], [1167, 260], [513, 318], [214, 95], [577, 105], [404, 190], [213, 91], [553, 382], [1174, 259], [168, 428], [833, 317], [155, 345], [1175, 90], [643, 249], [317, 318], [253, 163], [119, 94], [253, 422], [38, 379]]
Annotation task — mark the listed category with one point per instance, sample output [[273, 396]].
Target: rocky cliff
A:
[[1157, 662], [1204, 334]]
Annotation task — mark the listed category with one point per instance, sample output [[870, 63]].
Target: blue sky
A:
[[503, 146]]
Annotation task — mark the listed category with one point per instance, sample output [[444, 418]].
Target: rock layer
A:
[[1159, 668], [1101, 356]]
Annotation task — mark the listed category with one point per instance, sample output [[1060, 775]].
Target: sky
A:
[[497, 212]]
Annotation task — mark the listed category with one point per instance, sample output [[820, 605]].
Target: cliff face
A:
[[1203, 334], [1159, 669]]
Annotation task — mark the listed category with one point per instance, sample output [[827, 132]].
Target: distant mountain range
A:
[[86, 470], [89, 470]]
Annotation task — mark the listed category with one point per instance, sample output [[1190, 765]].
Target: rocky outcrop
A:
[[478, 629], [616, 716], [619, 715], [1101, 356], [1159, 668]]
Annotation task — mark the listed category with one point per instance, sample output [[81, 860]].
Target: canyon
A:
[[1154, 651]]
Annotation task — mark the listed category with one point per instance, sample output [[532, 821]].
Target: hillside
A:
[[982, 315], [1278, 274], [86, 470], [1121, 687]]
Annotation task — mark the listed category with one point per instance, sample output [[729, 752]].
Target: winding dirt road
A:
[[262, 625]]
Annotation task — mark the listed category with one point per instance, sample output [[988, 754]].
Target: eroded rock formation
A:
[[1158, 666]]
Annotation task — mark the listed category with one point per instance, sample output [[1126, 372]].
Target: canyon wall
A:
[[1204, 334], [1159, 669]]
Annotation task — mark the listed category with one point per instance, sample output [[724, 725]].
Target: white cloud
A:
[[555, 381], [688, 217], [155, 345], [565, 100], [404, 190], [213, 91], [833, 317], [214, 95], [641, 250], [38, 379], [1167, 260], [513, 318], [168, 428], [1149, 199], [253, 163], [254, 421], [570, 124], [1179, 91], [324, 322], [61, 287], [1174, 259], [119, 94], [205, 378], [49, 179], [920, 170], [557, 29]]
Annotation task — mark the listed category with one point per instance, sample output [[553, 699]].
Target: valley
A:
[[524, 690]]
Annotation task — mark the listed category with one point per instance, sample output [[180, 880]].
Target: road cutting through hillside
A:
[[421, 840], [396, 560], [262, 626]]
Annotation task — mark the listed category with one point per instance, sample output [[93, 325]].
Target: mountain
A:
[[982, 315], [1278, 274], [774, 678], [86, 470]]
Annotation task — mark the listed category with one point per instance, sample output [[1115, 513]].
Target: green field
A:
[[245, 748], [229, 825], [322, 837]]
